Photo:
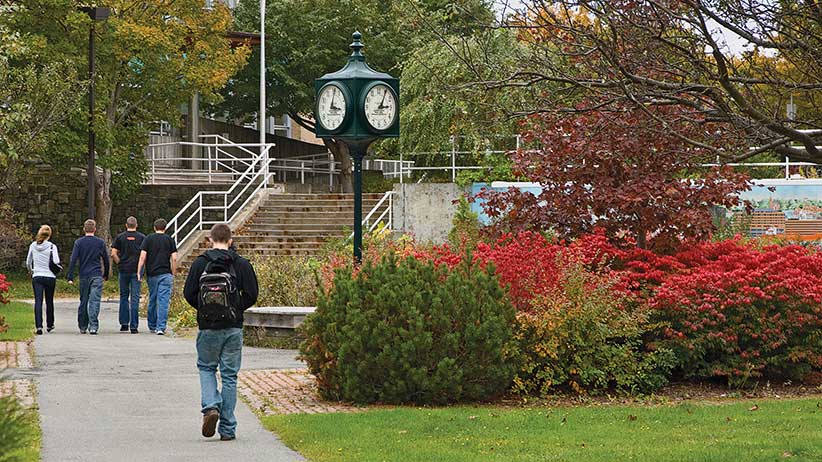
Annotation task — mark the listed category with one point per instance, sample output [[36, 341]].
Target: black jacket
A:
[[246, 280]]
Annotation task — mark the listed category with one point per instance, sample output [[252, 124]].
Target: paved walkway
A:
[[122, 397]]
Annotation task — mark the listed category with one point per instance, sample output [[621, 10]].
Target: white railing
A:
[[191, 219], [372, 219]]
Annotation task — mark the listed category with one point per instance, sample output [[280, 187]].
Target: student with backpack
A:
[[221, 286]]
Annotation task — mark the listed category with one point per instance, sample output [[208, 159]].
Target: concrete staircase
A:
[[295, 224]]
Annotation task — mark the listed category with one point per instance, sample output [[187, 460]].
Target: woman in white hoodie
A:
[[43, 280]]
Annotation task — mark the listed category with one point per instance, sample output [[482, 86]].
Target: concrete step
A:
[[316, 203], [280, 209], [328, 196], [267, 228], [289, 237]]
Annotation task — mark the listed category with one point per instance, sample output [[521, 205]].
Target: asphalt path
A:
[[136, 397]]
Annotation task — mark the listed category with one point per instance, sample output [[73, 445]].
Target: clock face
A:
[[380, 107], [331, 107]]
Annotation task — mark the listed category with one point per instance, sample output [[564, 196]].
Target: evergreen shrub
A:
[[407, 331]]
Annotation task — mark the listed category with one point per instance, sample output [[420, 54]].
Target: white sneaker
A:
[[161, 332]]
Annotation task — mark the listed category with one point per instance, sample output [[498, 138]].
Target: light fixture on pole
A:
[[96, 14]]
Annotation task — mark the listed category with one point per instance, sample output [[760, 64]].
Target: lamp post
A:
[[357, 105], [96, 14], [261, 125]]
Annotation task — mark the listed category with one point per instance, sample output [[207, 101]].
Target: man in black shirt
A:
[[158, 255], [220, 343], [125, 251]]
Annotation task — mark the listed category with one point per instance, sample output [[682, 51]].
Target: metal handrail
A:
[[389, 196], [252, 173]]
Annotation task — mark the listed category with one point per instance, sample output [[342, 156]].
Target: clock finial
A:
[[357, 46]]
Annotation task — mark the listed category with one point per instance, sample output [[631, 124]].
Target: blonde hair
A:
[[43, 234]]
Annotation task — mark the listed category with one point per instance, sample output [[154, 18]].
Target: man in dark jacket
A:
[[220, 343], [90, 255]]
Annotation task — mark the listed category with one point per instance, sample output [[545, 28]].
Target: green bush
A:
[[584, 337], [409, 332], [286, 281], [465, 230], [15, 427]]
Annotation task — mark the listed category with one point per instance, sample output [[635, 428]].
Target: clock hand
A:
[[382, 103], [334, 98]]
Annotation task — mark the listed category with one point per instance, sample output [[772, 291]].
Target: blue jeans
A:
[[91, 291], [159, 295], [223, 348], [129, 292]]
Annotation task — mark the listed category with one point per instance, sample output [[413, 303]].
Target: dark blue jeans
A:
[[43, 288], [91, 291], [129, 292]]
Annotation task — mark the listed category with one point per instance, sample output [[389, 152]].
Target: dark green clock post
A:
[[357, 105]]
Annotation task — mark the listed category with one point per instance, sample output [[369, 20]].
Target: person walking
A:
[[221, 286], [43, 280], [125, 251], [158, 255], [89, 254]]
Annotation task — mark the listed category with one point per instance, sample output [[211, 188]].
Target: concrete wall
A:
[[426, 210]]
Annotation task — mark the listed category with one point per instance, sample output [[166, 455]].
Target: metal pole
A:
[[91, 136], [402, 167], [261, 120], [787, 168], [453, 160], [357, 153]]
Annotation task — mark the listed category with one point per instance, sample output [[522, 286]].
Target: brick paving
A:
[[22, 389], [291, 391], [15, 355]]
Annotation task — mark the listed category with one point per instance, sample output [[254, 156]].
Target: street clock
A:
[[357, 106]]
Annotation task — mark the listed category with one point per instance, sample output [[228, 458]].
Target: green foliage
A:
[[151, 57], [286, 281], [16, 427], [584, 337], [305, 40], [376, 182], [465, 231], [34, 99], [409, 332]]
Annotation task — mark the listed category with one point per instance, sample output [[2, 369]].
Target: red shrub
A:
[[4, 289], [737, 311]]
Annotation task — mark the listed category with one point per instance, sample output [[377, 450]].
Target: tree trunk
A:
[[103, 204], [340, 152]]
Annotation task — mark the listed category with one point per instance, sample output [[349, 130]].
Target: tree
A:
[[152, 56], [731, 61], [33, 100], [305, 40], [437, 105], [621, 170]]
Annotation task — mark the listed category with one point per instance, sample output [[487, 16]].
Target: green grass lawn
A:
[[21, 287], [776, 430], [20, 319]]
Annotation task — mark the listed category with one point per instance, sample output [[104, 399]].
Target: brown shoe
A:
[[210, 419]]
